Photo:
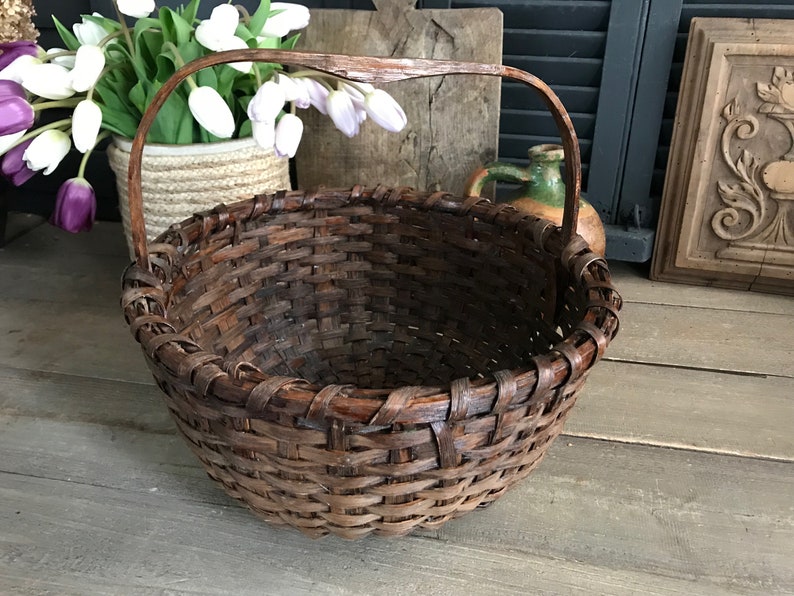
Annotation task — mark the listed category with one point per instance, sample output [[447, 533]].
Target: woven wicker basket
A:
[[368, 360]]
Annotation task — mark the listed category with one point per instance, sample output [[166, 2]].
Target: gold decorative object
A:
[[16, 21]]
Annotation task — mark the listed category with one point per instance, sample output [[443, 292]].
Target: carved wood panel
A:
[[727, 215]]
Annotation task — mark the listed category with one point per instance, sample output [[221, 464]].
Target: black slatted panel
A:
[[563, 43], [781, 9]]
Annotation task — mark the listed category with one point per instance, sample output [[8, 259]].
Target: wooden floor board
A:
[[675, 474], [73, 398], [632, 281], [155, 542], [629, 508], [555, 519], [86, 340], [712, 518], [690, 409], [745, 342]]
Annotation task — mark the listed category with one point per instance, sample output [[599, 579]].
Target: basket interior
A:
[[370, 295]]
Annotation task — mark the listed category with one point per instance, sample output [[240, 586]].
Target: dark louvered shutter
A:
[[563, 43], [782, 9]]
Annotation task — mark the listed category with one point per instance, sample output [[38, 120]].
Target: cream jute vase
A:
[[180, 180]]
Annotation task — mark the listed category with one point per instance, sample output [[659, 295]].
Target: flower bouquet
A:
[[109, 70]]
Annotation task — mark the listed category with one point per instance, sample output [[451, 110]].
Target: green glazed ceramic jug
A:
[[542, 193]]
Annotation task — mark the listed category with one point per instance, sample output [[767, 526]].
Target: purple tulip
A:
[[12, 50], [75, 206], [16, 114], [11, 89], [14, 166]]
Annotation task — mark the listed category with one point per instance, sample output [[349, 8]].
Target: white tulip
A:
[[211, 112], [354, 93], [86, 122], [264, 133], [136, 9], [385, 111], [293, 90], [88, 32], [343, 113], [289, 18], [267, 102], [88, 65], [47, 150], [214, 33], [6, 141], [17, 69], [52, 81], [65, 61], [288, 135], [318, 94], [236, 43]]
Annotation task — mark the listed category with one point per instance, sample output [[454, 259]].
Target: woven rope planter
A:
[[180, 180]]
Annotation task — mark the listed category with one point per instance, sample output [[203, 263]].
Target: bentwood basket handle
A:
[[362, 69]]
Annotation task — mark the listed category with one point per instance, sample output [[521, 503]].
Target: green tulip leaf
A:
[[289, 44], [69, 39], [175, 29], [189, 12], [259, 18]]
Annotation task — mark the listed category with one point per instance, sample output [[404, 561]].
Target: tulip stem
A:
[[61, 103], [125, 30], [243, 13], [81, 169], [317, 76], [180, 62], [54, 55]]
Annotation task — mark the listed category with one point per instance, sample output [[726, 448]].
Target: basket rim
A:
[[243, 390]]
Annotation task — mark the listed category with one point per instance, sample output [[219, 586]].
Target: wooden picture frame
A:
[[727, 214]]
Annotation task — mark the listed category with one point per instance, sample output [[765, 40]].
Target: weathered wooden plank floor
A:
[[675, 474]]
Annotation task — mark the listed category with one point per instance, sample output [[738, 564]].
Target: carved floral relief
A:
[[756, 214]]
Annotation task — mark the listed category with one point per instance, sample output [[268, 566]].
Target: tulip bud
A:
[[211, 112], [267, 102], [289, 17], [264, 133], [48, 80], [385, 111], [12, 50], [7, 141], [88, 32], [75, 206], [16, 114], [354, 93], [343, 113], [66, 61], [88, 65], [288, 135], [86, 122], [136, 9], [214, 32], [47, 150], [11, 89], [236, 43], [14, 167], [18, 68], [318, 94], [293, 90]]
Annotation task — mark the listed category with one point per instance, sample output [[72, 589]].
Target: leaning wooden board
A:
[[453, 122]]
